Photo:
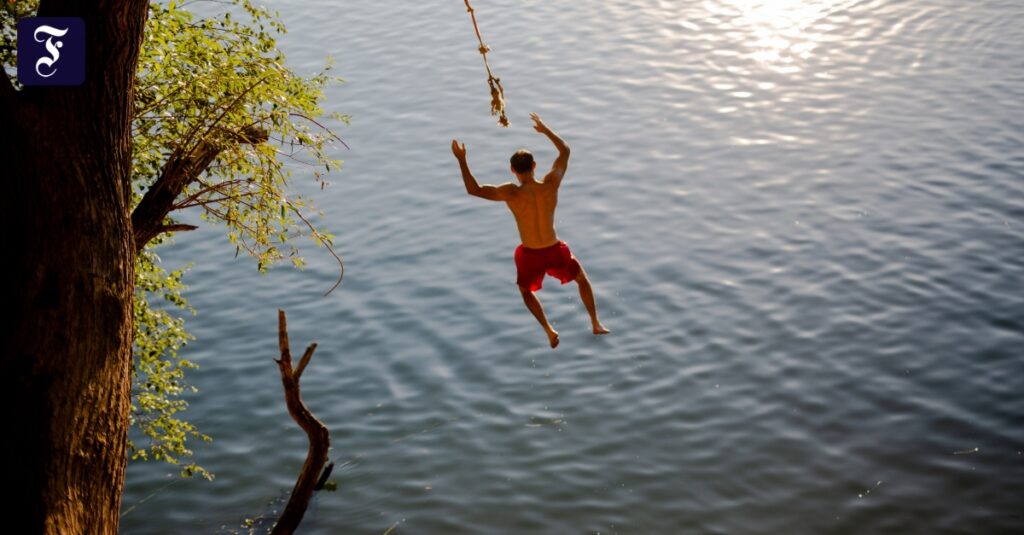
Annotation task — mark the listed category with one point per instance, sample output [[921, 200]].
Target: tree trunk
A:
[[66, 347]]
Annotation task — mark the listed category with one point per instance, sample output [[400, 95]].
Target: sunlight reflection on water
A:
[[802, 220]]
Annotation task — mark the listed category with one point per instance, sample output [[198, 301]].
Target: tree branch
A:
[[178, 227], [178, 171], [181, 169], [304, 360], [327, 243], [319, 438]]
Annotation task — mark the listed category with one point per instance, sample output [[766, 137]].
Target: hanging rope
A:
[[497, 92]]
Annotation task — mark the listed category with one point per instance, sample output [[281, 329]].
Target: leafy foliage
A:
[[209, 83], [10, 12], [205, 84], [159, 372]]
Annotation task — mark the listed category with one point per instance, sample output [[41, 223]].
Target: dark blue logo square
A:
[[51, 51]]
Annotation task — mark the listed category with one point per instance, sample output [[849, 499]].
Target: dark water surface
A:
[[804, 221]]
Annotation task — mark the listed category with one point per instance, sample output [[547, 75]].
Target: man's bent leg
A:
[[535, 307], [587, 296]]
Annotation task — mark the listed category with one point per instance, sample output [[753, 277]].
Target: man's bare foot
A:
[[600, 329], [553, 338]]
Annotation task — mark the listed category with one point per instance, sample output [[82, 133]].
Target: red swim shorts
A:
[[555, 260]]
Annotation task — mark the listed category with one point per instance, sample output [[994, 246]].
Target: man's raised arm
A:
[[562, 161], [491, 193]]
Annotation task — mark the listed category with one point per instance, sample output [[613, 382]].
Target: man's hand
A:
[[538, 124], [562, 161], [459, 150]]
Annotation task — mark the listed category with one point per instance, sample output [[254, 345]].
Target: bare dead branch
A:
[[316, 431], [282, 340], [304, 360], [320, 483]]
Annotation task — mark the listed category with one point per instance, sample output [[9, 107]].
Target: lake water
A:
[[804, 221]]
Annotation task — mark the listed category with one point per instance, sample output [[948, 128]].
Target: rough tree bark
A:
[[310, 479], [66, 349]]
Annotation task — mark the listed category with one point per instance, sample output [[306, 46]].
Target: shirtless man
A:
[[533, 205]]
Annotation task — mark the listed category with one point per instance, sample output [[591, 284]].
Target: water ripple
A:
[[803, 221]]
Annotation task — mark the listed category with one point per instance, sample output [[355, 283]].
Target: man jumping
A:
[[533, 205]]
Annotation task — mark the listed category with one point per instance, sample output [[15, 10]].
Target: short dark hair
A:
[[522, 161]]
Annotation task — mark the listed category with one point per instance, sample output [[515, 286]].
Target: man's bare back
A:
[[533, 205]]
